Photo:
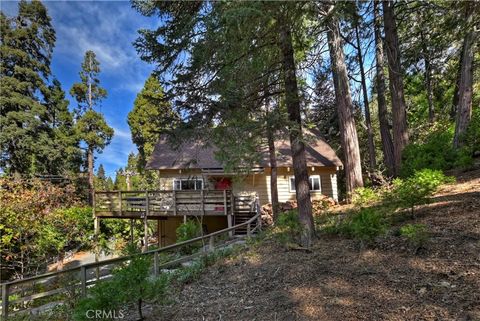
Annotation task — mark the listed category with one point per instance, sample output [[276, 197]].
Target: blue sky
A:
[[108, 28]]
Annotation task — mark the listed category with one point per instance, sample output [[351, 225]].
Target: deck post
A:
[[145, 222], [96, 222], [5, 295], [211, 243], [248, 231], [232, 212], [120, 202], [225, 209], [229, 224], [83, 279], [202, 195], [174, 196], [159, 234]]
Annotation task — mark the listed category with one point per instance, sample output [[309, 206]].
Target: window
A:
[[314, 180], [180, 184]]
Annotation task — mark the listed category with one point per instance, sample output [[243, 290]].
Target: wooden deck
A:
[[154, 204]]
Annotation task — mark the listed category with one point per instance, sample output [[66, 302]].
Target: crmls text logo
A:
[[104, 314]]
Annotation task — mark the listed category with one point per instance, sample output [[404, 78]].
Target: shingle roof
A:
[[195, 154]]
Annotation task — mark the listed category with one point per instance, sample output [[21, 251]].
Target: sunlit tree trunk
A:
[[465, 87], [399, 111], [428, 78], [368, 121], [348, 131], [387, 144], [91, 177], [292, 102]]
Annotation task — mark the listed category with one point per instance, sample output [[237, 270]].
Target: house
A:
[[193, 167], [193, 183]]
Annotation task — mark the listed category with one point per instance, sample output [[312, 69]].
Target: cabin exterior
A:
[[192, 183]]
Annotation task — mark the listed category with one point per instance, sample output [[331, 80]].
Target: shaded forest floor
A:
[[341, 280]]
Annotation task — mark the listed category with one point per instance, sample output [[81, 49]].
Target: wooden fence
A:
[[83, 279]]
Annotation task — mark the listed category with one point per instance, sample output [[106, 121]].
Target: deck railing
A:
[[160, 203], [84, 276]]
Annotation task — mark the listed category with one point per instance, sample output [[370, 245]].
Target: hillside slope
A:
[[341, 281]]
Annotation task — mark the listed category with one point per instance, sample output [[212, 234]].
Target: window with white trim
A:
[[314, 181], [182, 184]]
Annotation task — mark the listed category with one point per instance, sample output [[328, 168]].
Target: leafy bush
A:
[[365, 196], [129, 284], [39, 221], [418, 189], [416, 234], [288, 226], [187, 231], [367, 224], [470, 140], [436, 153]]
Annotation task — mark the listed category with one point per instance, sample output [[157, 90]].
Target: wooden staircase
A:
[[245, 207]]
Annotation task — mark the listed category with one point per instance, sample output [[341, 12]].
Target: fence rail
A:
[[161, 203], [83, 280]]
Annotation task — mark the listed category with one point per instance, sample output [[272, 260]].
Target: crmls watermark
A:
[[104, 314]]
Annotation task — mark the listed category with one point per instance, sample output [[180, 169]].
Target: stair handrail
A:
[[84, 282]]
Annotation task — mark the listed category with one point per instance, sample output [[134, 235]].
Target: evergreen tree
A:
[[397, 93], [60, 151], [348, 131], [151, 115], [386, 137], [91, 125], [27, 42], [465, 82], [101, 179], [242, 52]]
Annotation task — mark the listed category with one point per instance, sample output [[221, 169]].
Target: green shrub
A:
[[416, 234], [419, 188], [471, 139], [130, 284], [187, 231], [436, 152], [365, 196], [288, 227], [366, 225]]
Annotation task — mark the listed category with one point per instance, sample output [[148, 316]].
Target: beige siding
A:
[[283, 183], [260, 183], [167, 176]]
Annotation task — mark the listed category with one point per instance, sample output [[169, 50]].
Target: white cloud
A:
[[107, 28], [123, 134]]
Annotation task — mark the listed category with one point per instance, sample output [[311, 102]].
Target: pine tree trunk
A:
[[91, 176], [348, 131], [399, 111], [292, 101], [428, 79], [273, 174], [453, 111], [368, 121], [387, 144], [465, 88]]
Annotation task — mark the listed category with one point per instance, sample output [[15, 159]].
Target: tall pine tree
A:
[[151, 116], [91, 126], [27, 42]]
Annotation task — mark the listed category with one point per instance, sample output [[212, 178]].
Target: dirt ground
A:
[[340, 280]]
